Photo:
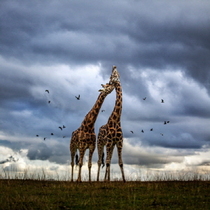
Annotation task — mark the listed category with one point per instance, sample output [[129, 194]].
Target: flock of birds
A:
[[53, 133], [60, 127], [151, 129], [78, 98]]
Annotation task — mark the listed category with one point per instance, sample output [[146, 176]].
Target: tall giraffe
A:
[[84, 137], [111, 133]]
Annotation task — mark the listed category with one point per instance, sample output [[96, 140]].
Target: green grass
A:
[[41, 194]]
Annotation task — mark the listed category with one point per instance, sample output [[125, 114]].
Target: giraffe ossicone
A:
[[115, 76]]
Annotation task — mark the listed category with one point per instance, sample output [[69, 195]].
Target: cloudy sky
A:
[[161, 49]]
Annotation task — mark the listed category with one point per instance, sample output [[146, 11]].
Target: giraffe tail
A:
[[103, 164], [77, 159]]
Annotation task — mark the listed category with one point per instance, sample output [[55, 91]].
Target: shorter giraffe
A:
[[111, 133], [84, 137]]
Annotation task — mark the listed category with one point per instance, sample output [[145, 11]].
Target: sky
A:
[[161, 50]]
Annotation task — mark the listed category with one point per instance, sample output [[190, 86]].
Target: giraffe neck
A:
[[90, 118], [116, 113]]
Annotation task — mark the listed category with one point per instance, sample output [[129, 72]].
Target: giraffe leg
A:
[[109, 152], [100, 154], [73, 151], [81, 156], [119, 150], [91, 150]]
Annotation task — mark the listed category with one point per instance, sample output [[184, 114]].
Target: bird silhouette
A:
[[45, 138], [161, 134], [162, 101], [47, 91], [64, 136], [37, 135], [77, 97], [151, 129], [64, 126], [168, 121], [165, 122], [144, 98], [60, 128], [49, 102], [102, 110], [52, 134], [131, 131], [142, 131]]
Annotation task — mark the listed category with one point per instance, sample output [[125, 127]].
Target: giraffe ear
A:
[[101, 90]]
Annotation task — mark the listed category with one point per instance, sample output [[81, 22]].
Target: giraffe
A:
[[111, 133], [84, 137]]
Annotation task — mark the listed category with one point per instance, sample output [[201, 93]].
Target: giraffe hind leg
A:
[[73, 151], [81, 156], [109, 150], [100, 159], [91, 150]]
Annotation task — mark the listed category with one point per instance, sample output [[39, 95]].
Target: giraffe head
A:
[[115, 76], [107, 88]]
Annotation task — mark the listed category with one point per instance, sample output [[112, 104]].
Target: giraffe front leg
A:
[[91, 150]]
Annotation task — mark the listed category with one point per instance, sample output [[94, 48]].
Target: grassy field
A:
[[42, 194]]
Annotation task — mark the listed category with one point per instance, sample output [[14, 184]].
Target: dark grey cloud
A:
[[137, 35], [58, 153]]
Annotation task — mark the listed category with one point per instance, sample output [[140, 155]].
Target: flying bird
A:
[[151, 129], [77, 97], [37, 135], [45, 138], [144, 98], [162, 101], [131, 131], [102, 110], [161, 134], [49, 102], [47, 91], [142, 131], [52, 134], [60, 128], [165, 122], [64, 136], [64, 126]]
